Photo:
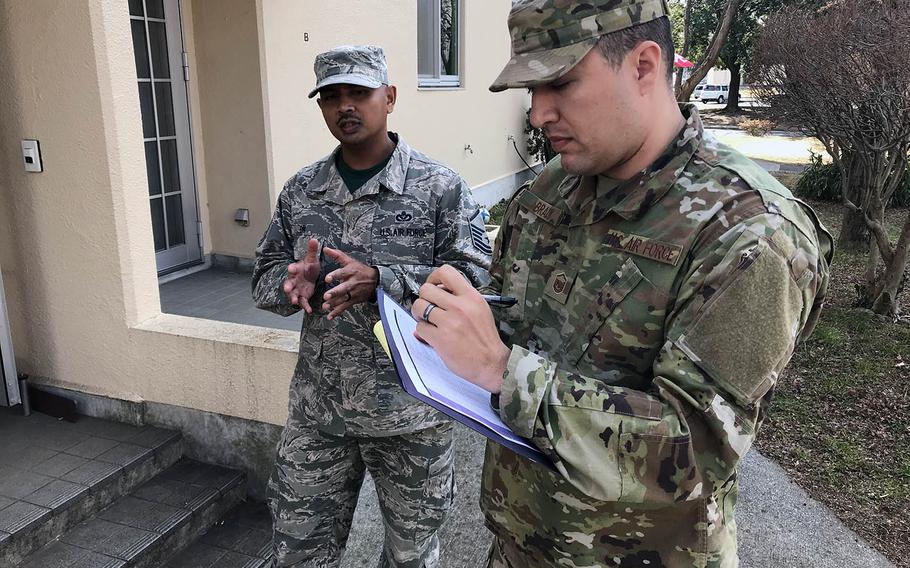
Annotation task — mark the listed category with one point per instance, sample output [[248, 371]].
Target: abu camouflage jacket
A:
[[413, 216]]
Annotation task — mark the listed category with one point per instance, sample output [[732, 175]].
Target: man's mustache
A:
[[346, 118]]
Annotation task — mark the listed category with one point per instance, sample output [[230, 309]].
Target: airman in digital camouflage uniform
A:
[[662, 281], [374, 212]]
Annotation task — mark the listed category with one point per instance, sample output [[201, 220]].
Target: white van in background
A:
[[715, 93]]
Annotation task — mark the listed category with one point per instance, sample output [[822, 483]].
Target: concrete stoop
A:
[[86, 467], [146, 527], [242, 539], [98, 494]]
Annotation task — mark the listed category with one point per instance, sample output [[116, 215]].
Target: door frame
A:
[[190, 252], [9, 389]]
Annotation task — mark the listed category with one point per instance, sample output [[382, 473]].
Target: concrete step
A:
[[241, 539], [54, 475], [148, 526]]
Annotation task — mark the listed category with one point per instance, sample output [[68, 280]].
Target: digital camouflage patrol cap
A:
[[550, 36], [362, 65]]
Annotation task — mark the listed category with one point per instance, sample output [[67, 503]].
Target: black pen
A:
[[499, 300]]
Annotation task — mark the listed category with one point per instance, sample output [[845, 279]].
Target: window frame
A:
[[438, 80]]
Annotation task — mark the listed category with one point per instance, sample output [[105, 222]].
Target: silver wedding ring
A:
[[427, 310]]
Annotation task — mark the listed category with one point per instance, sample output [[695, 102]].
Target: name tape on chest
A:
[[667, 253], [414, 231], [401, 224], [549, 213]]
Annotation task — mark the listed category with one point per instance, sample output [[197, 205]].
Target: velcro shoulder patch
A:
[[745, 334]]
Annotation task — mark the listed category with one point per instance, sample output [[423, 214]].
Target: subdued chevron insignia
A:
[[479, 235]]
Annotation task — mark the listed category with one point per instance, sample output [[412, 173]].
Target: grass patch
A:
[[827, 335], [839, 425], [903, 470], [840, 420]]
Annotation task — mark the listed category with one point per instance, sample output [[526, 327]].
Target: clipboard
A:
[[424, 376]]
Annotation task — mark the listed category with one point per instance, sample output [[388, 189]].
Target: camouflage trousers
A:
[[498, 557], [505, 554], [316, 480]]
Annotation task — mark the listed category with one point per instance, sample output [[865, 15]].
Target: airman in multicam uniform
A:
[[663, 281], [374, 212]]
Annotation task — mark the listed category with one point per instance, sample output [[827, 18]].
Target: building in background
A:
[[715, 76], [166, 129]]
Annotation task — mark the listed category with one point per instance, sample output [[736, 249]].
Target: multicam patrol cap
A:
[[550, 36], [362, 65]]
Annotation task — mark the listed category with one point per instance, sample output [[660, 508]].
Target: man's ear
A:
[[391, 95], [319, 101], [647, 64]]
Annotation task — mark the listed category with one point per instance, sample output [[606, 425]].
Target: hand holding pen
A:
[[456, 321], [503, 301]]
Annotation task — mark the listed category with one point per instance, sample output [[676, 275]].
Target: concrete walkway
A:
[[779, 525], [775, 149]]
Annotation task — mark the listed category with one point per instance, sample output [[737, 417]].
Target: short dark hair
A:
[[615, 45]]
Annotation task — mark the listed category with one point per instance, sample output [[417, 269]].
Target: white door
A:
[[160, 73]]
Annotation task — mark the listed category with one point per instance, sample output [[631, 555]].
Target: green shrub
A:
[[819, 181], [822, 181]]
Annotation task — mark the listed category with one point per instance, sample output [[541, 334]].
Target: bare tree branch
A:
[[703, 65], [842, 73], [687, 39]]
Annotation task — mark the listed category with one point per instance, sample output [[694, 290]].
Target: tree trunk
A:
[[854, 235], [687, 41], [873, 280], [892, 281], [735, 69], [717, 43], [870, 276]]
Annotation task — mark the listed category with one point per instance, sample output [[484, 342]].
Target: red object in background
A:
[[680, 61]]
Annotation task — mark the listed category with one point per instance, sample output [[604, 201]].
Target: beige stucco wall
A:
[[198, 143], [437, 122], [224, 41], [254, 126], [75, 241]]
